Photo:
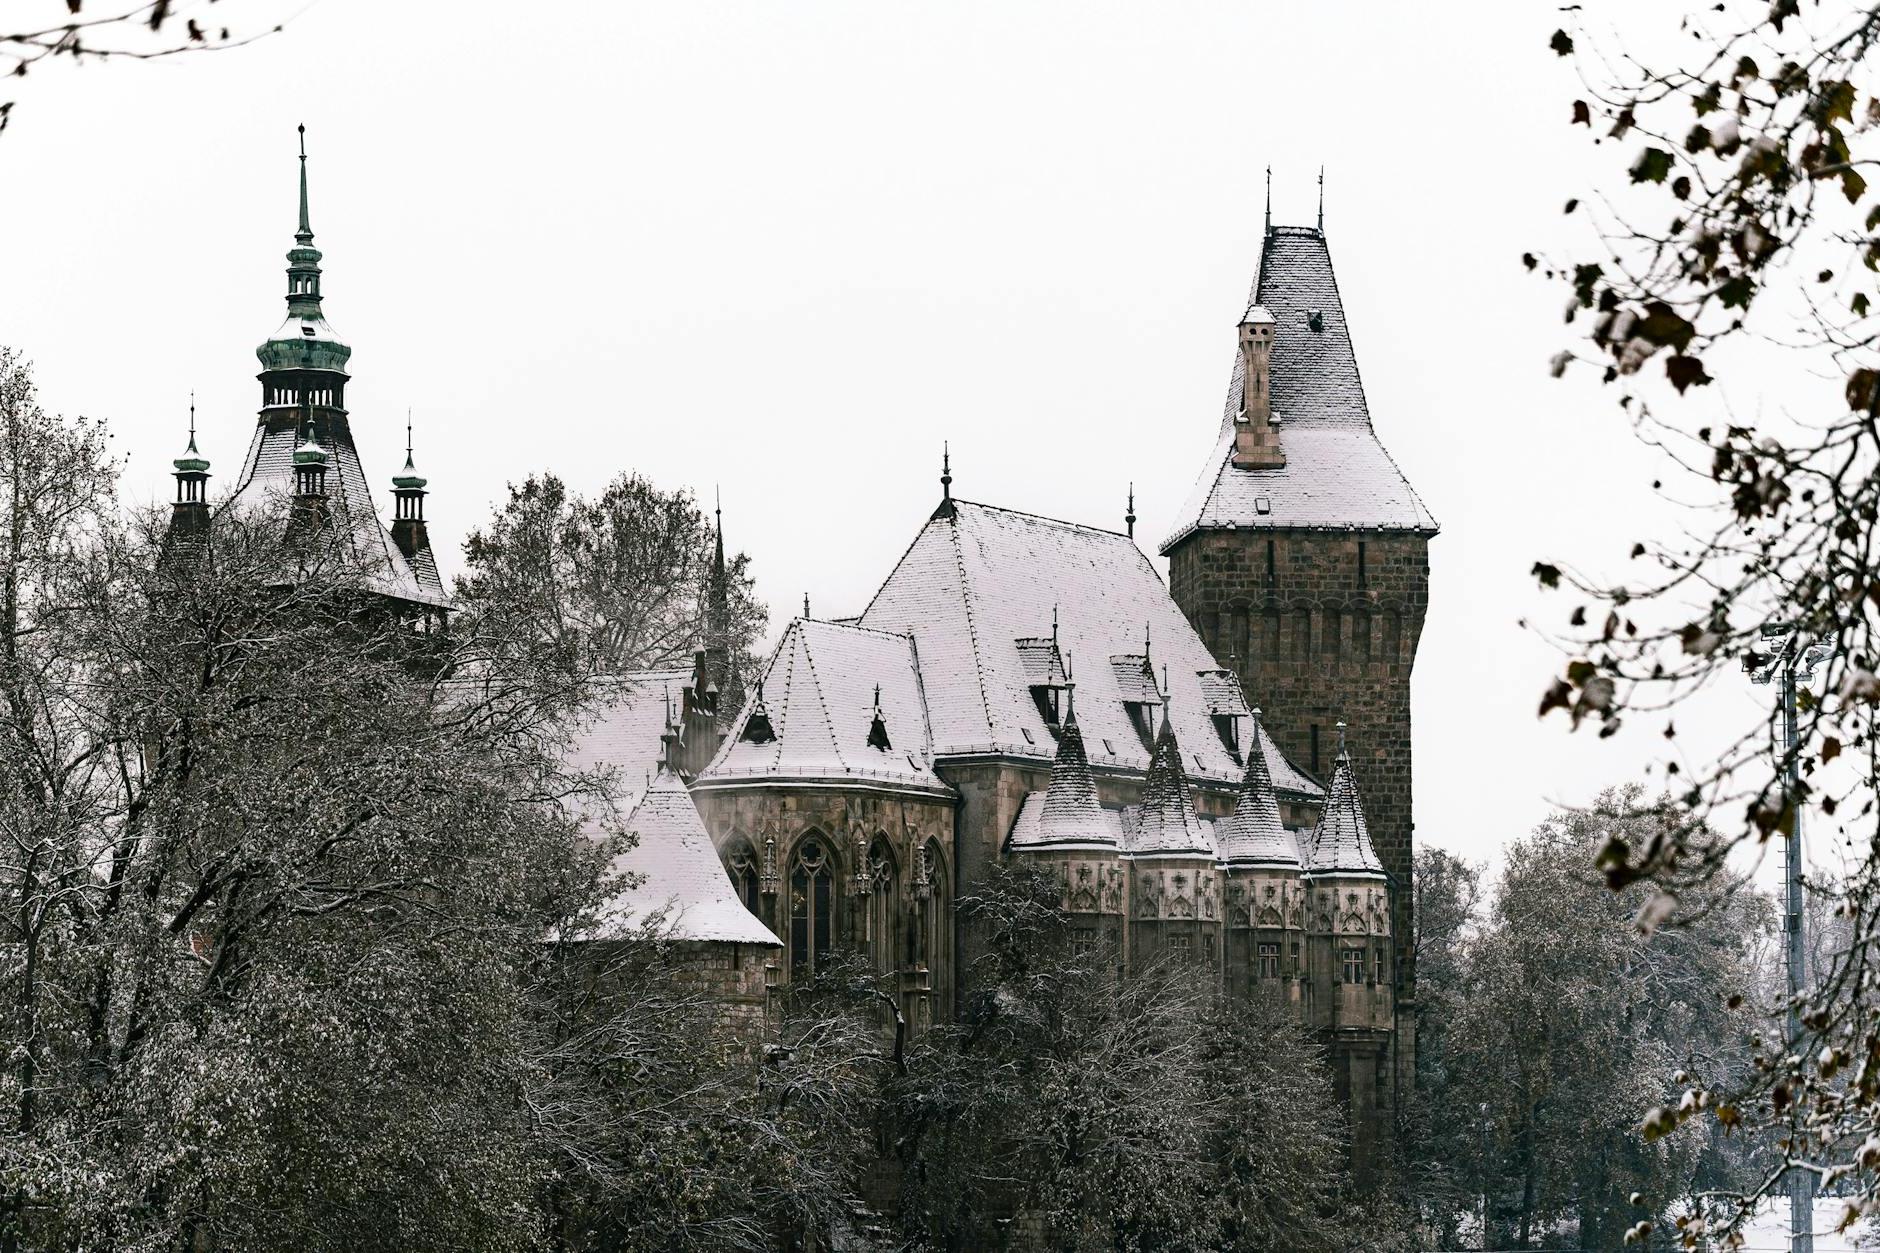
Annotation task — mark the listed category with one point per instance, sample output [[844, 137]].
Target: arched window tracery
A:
[[812, 906], [746, 879]]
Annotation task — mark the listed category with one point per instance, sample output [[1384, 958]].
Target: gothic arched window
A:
[[812, 908], [937, 922], [741, 862]]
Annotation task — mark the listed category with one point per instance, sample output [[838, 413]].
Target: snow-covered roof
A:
[[1253, 834], [1066, 814], [1341, 844], [979, 580], [620, 730], [819, 692], [268, 471], [1166, 821], [679, 883], [1337, 474]]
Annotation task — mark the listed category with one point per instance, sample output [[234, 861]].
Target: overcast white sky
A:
[[789, 249]]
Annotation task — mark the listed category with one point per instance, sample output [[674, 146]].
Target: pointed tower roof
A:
[[408, 479], [1068, 814], [677, 875], [304, 341], [192, 461], [1253, 834], [1167, 822], [1342, 843], [1337, 473]]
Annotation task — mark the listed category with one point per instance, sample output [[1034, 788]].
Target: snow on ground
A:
[[1769, 1233]]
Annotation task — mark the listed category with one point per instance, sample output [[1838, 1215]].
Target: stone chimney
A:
[[1256, 426]]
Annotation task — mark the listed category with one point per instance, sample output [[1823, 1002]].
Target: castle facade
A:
[[1217, 767]]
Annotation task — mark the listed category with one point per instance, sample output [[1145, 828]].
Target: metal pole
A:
[[1801, 1182]]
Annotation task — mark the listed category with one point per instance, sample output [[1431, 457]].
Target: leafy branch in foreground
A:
[[1744, 227]]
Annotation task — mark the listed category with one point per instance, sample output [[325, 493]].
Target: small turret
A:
[[189, 515], [309, 465], [408, 493], [1071, 816], [1168, 823], [1341, 845], [1253, 834]]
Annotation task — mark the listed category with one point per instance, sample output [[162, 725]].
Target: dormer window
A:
[[878, 729], [1142, 717], [757, 728], [1045, 676], [1220, 692], [1227, 726]]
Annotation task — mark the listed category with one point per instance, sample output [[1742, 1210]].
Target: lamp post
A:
[[1783, 660]]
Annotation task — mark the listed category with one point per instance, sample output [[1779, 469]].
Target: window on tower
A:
[[1353, 965]]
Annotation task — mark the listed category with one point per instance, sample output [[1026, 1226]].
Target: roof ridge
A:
[[829, 722], [1043, 517], [853, 626], [972, 631]]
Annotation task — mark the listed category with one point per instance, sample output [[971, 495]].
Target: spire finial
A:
[[946, 471], [192, 419], [1129, 517], [1321, 199], [1341, 740], [806, 606], [1269, 199], [1054, 625], [305, 234], [1070, 690], [407, 434]]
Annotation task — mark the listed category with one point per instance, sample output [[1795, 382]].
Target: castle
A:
[[1218, 767]]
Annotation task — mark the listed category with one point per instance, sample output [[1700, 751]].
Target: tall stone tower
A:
[[1302, 559]]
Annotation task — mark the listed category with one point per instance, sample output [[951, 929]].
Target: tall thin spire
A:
[[305, 234], [1321, 199], [1269, 200], [1129, 516], [946, 471]]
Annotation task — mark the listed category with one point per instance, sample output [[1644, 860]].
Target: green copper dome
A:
[[408, 479], [309, 453], [191, 462]]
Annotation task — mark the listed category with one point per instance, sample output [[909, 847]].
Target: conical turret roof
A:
[[676, 876], [1253, 834], [1342, 842], [1167, 822], [1070, 813]]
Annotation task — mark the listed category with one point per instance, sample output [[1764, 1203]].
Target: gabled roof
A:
[[1166, 821], [819, 693], [1068, 815], [978, 579], [268, 472], [1342, 842], [1253, 834], [676, 878], [1337, 474]]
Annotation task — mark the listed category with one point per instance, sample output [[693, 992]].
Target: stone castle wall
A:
[[1318, 637]]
